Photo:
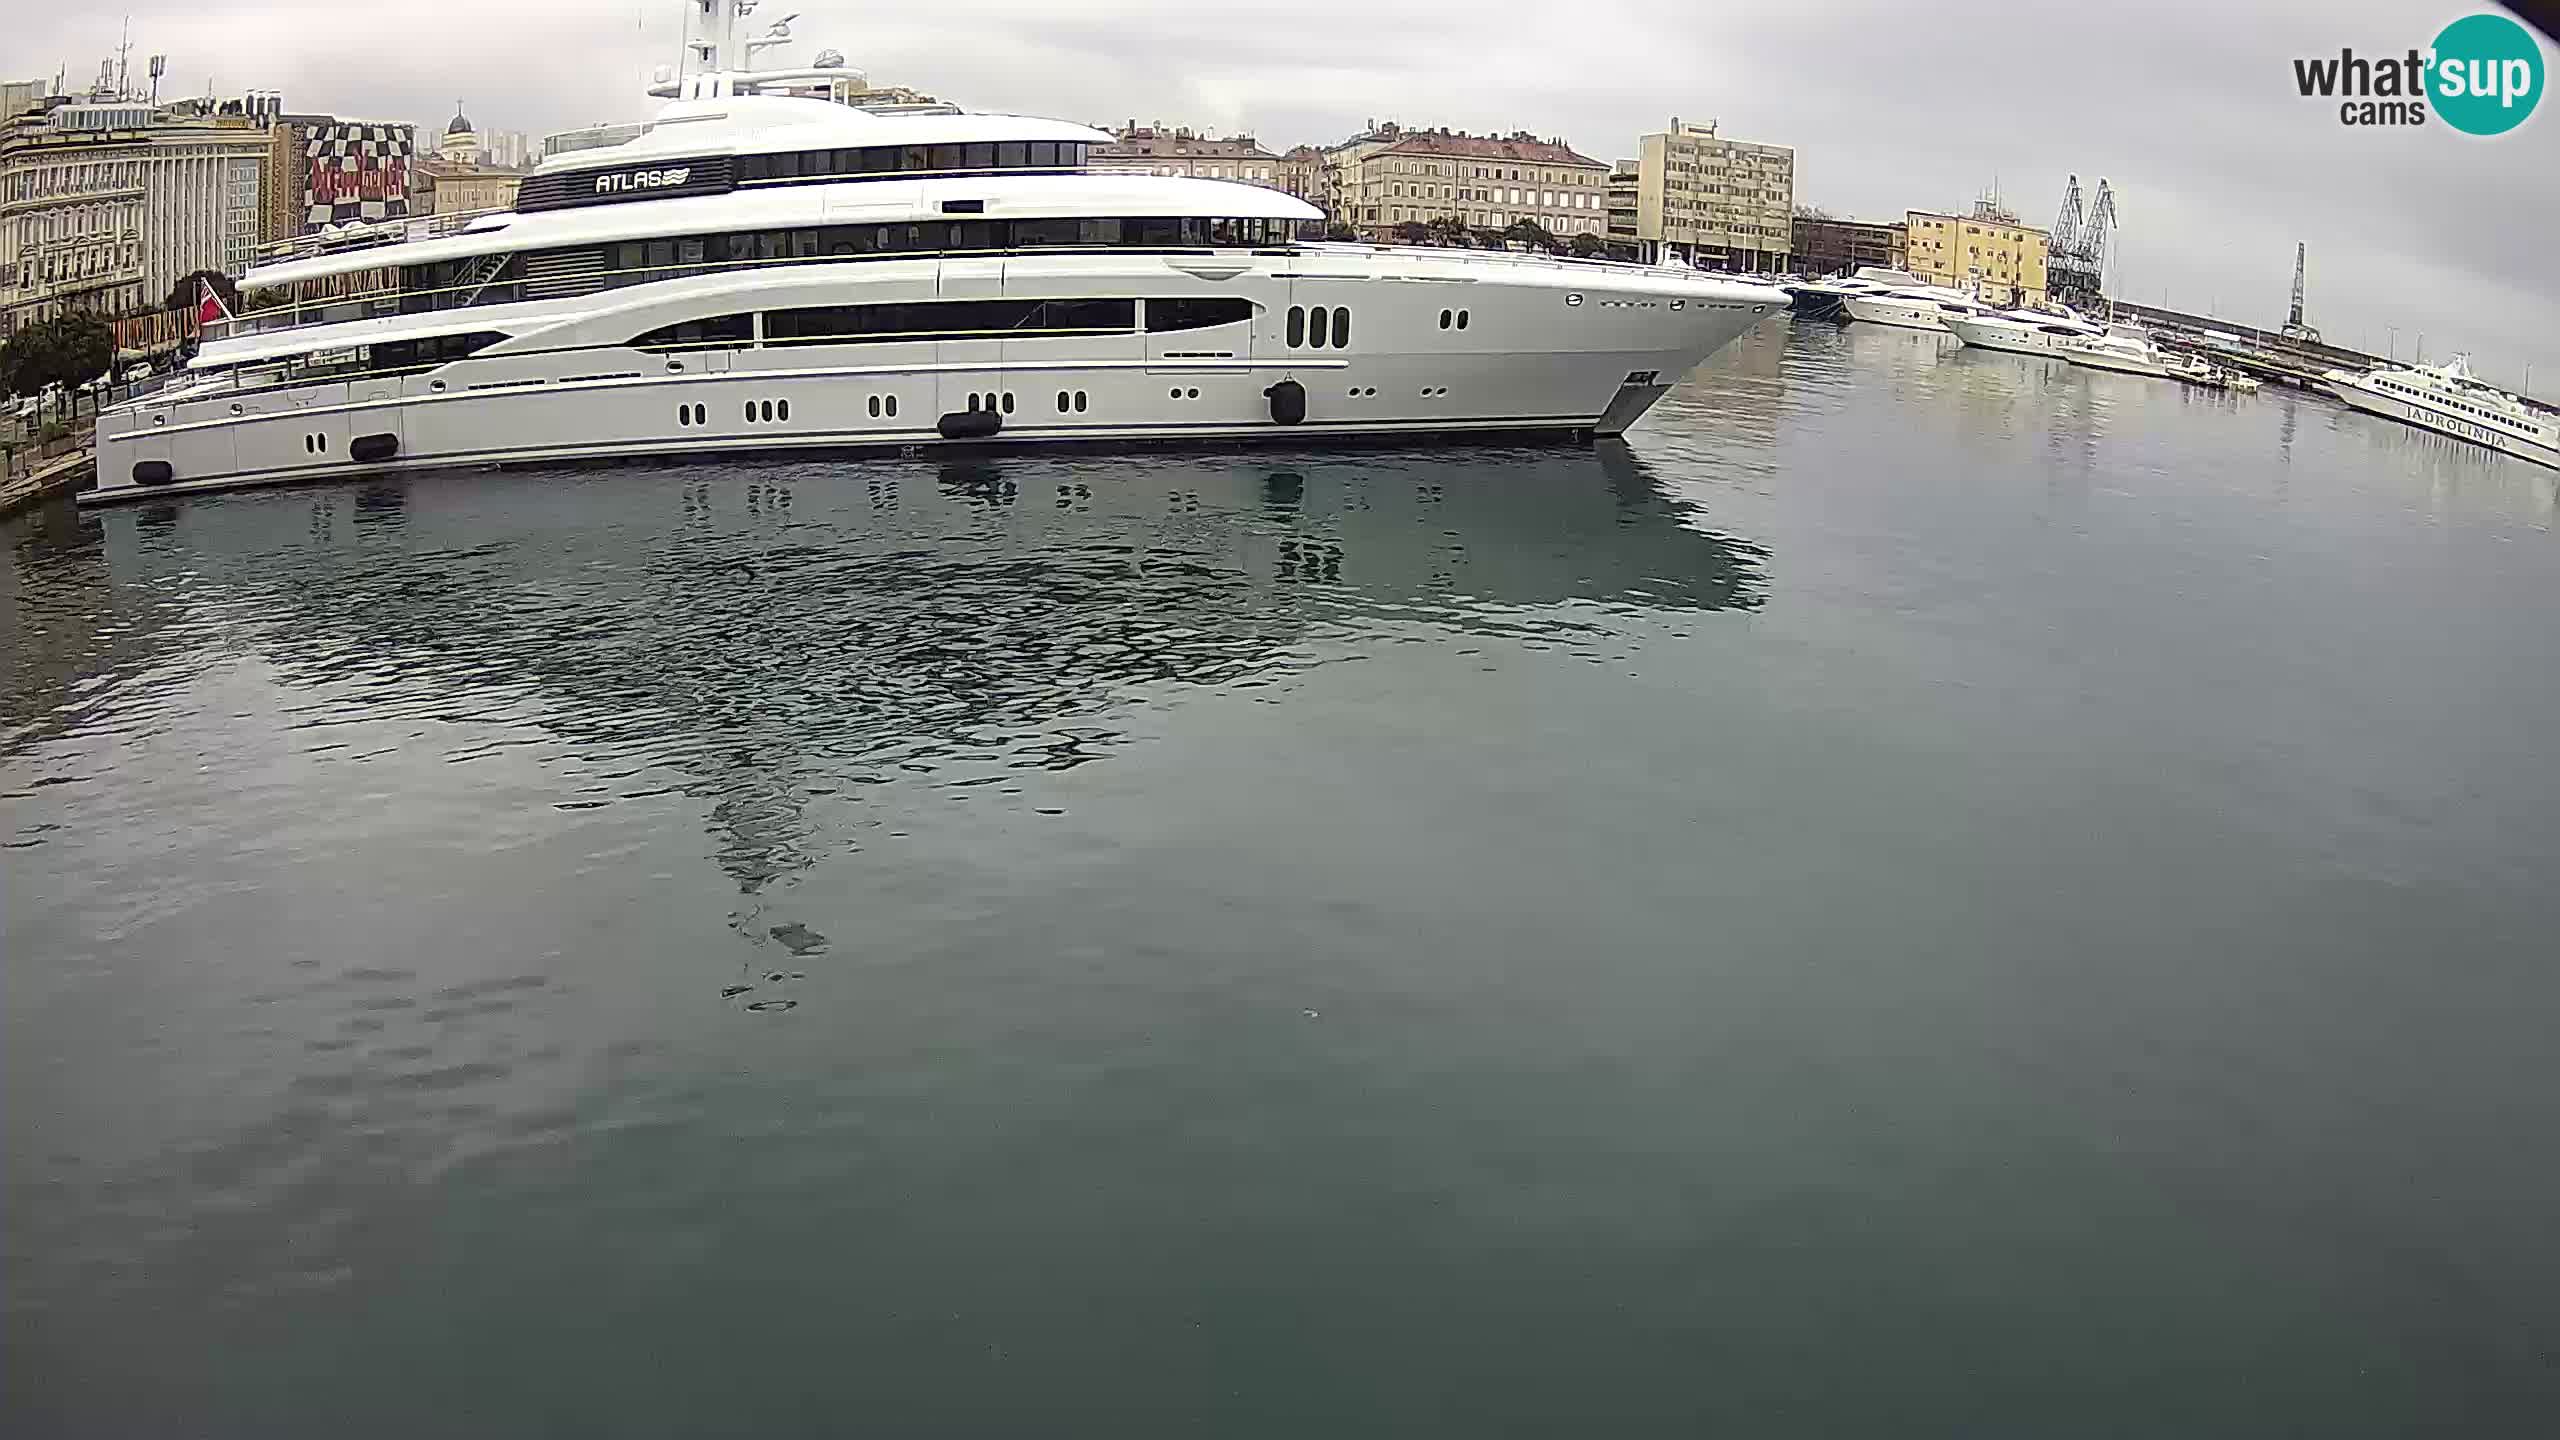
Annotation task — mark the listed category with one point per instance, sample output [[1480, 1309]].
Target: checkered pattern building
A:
[[358, 174]]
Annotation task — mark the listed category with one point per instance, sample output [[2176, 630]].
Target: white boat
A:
[[763, 271], [2124, 349], [1922, 307], [1822, 299], [2449, 400], [2023, 332]]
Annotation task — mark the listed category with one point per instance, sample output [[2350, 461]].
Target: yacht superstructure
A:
[[1822, 299], [765, 271], [2450, 400]]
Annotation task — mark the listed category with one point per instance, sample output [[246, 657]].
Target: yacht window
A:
[[1043, 154], [1012, 154], [434, 350], [946, 157], [1316, 328], [1297, 325], [1342, 326], [912, 157], [1164, 315], [696, 334], [951, 319], [981, 156]]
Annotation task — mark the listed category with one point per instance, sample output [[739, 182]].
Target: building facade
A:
[[445, 187], [1824, 246], [1300, 171], [1625, 184], [106, 206], [322, 170], [71, 203], [1383, 181], [1179, 151], [1987, 252], [1704, 199]]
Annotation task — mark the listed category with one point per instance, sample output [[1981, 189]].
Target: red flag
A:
[[210, 309]]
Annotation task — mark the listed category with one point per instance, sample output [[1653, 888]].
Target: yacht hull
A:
[[2120, 364], [1551, 349], [2015, 339], [1903, 314]]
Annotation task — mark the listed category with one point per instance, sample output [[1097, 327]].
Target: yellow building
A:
[[1987, 251]]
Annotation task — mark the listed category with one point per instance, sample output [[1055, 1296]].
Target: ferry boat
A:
[[766, 271], [2449, 400]]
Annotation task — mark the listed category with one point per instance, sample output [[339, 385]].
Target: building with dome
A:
[[461, 143]]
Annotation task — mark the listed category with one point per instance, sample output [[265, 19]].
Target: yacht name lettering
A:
[[642, 180]]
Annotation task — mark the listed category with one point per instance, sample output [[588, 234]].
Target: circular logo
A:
[[2487, 75]]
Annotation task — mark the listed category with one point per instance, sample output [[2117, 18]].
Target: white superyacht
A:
[[765, 271]]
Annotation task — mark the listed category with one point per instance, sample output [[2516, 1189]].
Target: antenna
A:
[[159, 63], [124, 53]]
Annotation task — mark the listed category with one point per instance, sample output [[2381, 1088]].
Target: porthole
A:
[[973, 402], [684, 414], [751, 410], [1297, 325], [1462, 319], [1318, 324], [875, 407], [1008, 402], [1062, 402], [1341, 326], [1173, 394], [701, 415], [1444, 319], [892, 403], [1191, 394], [1079, 402], [782, 409]]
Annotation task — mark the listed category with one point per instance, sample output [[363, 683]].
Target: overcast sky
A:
[[2188, 107]]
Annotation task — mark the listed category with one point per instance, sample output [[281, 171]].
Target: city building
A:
[[1383, 180], [1704, 199], [1825, 246], [506, 150], [445, 187], [1624, 185], [322, 170], [106, 205], [461, 142], [1988, 252], [1300, 171], [71, 192], [1178, 151]]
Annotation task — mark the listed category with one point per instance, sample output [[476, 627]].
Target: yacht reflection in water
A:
[[771, 641]]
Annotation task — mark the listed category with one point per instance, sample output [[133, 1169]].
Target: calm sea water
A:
[[1923, 894]]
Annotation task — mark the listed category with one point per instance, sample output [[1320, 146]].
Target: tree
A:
[[1449, 230], [1413, 232], [68, 350], [1589, 246], [1532, 234], [184, 296]]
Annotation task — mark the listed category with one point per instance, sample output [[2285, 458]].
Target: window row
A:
[[1320, 327], [910, 159], [944, 319], [552, 273]]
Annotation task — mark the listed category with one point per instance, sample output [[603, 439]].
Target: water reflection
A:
[[766, 638]]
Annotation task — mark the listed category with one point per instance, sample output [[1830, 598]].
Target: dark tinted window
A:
[[435, 350], [1165, 315], [688, 334], [839, 324]]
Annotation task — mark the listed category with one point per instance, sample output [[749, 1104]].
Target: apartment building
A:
[[1705, 199], [1987, 251], [1388, 178]]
